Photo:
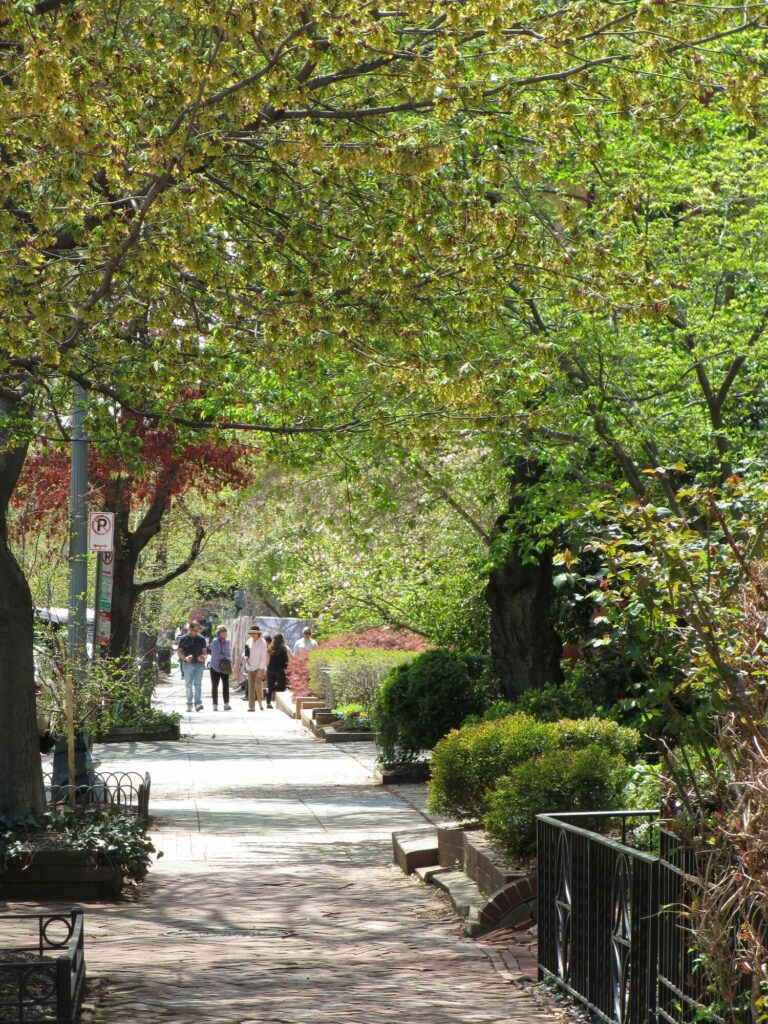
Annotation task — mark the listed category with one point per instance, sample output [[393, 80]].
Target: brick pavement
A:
[[275, 901]]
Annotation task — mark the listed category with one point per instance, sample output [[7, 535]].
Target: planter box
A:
[[61, 875], [403, 774], [127, 734]]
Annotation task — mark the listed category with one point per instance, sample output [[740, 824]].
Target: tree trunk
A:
[[524, 646], [21, 776], [525, 649], [125, 594]]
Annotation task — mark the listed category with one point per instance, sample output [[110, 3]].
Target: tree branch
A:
[[180, 569]]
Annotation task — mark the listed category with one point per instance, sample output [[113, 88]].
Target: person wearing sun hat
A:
[[256, 661]]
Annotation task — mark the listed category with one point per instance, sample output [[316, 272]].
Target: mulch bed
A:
[[35, 988]]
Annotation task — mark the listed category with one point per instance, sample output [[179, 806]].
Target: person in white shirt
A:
[[256, 660], [306, 643]]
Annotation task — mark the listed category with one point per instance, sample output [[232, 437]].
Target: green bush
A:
[[355, 673], [550, 703], [615, 738], [419, 702], [352, 717], [108, 836], [590, 779], [553, 702], [468, 762]]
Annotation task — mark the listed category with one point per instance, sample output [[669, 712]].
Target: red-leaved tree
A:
[[140, 488]]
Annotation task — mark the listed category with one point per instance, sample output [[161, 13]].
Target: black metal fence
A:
[[127, 792], [598, 906], [35, 984], [614, 923]]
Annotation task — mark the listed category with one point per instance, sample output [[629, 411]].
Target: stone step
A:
[[426, 874], [465, 896], [416, 848]]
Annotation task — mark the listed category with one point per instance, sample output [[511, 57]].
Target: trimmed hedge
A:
[[356, 673], [419, 702], [589, 779], [467, 764]]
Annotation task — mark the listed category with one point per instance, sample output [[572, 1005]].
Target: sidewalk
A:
[[275, 900]]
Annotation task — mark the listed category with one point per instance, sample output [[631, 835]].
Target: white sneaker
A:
[[189, 707], [227, 707]]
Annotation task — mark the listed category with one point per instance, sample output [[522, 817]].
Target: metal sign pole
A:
[[97, 607], [78, 538]]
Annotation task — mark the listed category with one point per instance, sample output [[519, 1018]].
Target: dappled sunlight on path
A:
[[275, 900]]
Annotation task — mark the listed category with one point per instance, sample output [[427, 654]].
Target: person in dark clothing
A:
[[193, 650], [279, 659], [221, 667]]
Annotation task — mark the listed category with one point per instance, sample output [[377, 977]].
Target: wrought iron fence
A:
[[32, 980], [614, 923], [598, 909], [127, 792]]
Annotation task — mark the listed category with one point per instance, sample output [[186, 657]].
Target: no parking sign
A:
[[101, 531]]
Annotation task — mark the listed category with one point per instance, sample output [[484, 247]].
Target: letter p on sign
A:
[[101, 531]]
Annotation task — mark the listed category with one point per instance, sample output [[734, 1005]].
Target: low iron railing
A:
[[36, 982], [127, 792], [614, 922], [598, 907]]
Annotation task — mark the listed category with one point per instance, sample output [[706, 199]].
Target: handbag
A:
[[225, 666]]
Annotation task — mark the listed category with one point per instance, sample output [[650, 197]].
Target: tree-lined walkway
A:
[[275, 899]]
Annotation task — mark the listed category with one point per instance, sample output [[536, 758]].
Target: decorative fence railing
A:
[[127, 792], [34, 983], [598, 909], [614, 927]]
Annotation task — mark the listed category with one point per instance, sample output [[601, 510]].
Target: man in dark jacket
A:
[[193, 649]]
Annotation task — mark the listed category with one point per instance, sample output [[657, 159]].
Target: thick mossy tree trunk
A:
[[21, 776], [525, 648]]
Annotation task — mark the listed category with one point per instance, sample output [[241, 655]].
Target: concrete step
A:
[[416, 848], [426, 874], [465, 896]]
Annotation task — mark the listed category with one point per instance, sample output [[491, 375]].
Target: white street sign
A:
[[101, 531]]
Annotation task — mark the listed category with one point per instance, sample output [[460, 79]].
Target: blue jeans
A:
[[193, 679]]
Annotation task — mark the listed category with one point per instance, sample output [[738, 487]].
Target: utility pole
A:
[[78, 537], [78, 571]]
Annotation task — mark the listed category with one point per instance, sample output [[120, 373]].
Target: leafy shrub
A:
[[615, 738], [143, 719], [352, 716], [553, 702], [589, 779], [107, 835], [378, 639], [419, 702], [351, 675], [467, 763]]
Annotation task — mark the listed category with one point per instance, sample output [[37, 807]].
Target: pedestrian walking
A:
[[279, 660], [221, 668], [255, 664], [307, 643], [193, 650]]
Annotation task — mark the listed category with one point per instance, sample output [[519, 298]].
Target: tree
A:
[[145, 469], [130, 131]]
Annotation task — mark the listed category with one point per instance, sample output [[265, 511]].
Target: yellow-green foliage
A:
[[355, 673], [467, 763]]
